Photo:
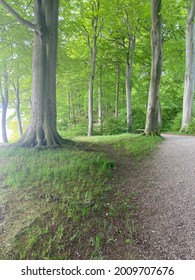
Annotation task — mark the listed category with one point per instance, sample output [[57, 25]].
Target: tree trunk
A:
[[17, 104], [91, 86], [190, 69], [42, 129], [152, 127], [117, 90], [128, 97], [100, 99], [4, 100], [159, 114], [129, 65], [93, 46], [71, 109]]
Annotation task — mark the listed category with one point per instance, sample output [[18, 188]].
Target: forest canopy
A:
[[104, 59]]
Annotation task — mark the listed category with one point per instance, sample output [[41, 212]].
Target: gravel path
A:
[[166, 182]]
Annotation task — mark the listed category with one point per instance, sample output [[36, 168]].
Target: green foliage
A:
[[191, 127], [176, 124], [73, 131], [139, 118], [115, 125], [118, 19]]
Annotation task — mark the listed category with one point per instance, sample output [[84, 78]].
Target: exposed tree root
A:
[[39, 141], [151, 134]]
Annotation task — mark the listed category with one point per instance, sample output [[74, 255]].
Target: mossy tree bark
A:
[[152, 125]]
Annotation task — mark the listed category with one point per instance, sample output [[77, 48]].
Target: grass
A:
[[130, 144], [59, 204]]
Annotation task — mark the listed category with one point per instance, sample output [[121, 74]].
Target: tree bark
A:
[[129, 65], [190, 69], [71, 109], [97, 26], [159, 115], [91, 87], [17, 108], [4, 100], [100, 99], [152, 127], [117, 90], [42, 131]]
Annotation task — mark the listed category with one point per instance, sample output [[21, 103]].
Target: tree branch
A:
[[23, 21], [87, 36]]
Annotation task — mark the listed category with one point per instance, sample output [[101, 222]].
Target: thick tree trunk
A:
[[4, 101], [91, 87], [129, 65], [117, 90], [152, 127], [190, 69], [42, 129]]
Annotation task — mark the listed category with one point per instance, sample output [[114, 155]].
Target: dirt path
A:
[[165, 186], [165, 223]]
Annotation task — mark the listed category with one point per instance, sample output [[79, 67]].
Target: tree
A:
[[152, 127], [4, 102], [17, 107], [42, 128], [190, 68], [92, 42]]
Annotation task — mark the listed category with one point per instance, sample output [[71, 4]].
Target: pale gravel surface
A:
[[166, 205]]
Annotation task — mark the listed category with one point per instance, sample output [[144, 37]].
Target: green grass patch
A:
[[59, 204], [134, 145]]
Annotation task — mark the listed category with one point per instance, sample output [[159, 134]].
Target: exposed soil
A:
[[165, 216]]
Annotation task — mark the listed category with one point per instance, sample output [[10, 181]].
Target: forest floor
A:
[[149, 214], [165, 216]]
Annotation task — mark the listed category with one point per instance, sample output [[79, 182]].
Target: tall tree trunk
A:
[[124, 96], [159, 114], [129, 65], [117, 90], [97, 26], [4, 100], [100, 99], [152, 127], [17, 107], [91, 87], [71, 109], [42, 129], [190, 69]]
